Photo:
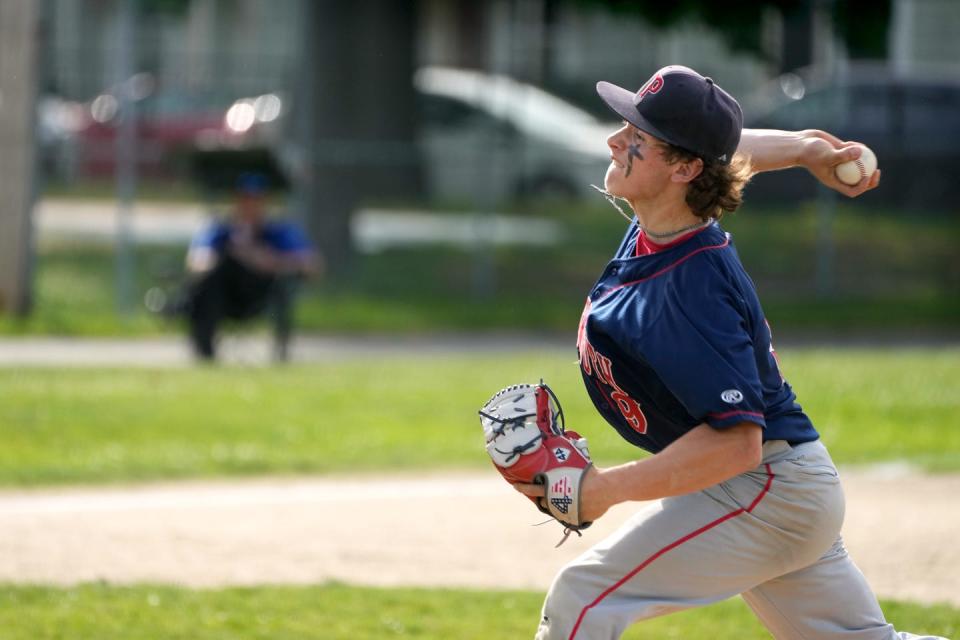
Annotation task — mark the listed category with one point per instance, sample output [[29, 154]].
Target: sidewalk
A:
[[372, 229], [255, 350]]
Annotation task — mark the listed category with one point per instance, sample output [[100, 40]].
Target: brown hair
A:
[[719, 187]]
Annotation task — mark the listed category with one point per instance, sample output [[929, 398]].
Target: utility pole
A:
[[19, 48], [126, 156]]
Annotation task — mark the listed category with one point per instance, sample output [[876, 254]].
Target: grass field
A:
[[338, 612], [407, 413], [120, 425]]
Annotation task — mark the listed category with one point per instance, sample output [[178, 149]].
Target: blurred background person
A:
[[244, 266]]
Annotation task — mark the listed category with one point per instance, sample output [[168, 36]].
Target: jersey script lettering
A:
[[600, 367]]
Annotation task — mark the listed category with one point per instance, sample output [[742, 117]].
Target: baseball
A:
[[863, 167]]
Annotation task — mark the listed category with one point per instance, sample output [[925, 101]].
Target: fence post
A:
[[126, 156]]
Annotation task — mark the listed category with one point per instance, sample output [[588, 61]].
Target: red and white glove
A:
[[526, 440]]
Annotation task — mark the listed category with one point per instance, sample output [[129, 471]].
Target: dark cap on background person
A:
[[682, 108], [252, 184]]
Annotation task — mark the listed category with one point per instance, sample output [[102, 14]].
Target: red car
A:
[[170, 126]]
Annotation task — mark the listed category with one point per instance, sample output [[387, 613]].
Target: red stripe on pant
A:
[[672, 545]]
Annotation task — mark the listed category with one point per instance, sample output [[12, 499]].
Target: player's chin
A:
[[613, 181]]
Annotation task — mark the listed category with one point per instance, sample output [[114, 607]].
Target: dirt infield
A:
[[432, 530]]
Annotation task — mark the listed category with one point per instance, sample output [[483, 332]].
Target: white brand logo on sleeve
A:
[[731, 396], [561, 454]]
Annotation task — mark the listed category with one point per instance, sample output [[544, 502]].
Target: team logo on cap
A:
[[653, 85]]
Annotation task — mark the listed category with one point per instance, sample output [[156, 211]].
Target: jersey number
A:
[[630, 410]]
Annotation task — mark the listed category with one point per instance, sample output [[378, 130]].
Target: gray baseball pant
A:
[[771, 535]]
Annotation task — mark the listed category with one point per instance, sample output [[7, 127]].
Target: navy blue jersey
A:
[[677, 338]]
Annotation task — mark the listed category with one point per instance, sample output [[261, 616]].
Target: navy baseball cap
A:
[[683, 108], [252, 183]]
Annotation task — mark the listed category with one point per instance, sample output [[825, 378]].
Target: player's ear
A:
[[687, 170]]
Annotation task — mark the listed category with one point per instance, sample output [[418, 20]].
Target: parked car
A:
[[483, 138], [486, 137], [171, 126], [911, 121]]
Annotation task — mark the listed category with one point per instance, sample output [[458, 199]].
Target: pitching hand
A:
[[822, 152]]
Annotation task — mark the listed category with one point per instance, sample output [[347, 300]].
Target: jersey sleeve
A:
[[212, 236], [707, 359], [288, 237]]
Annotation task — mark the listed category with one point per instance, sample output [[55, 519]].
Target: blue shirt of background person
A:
[[265, 245]]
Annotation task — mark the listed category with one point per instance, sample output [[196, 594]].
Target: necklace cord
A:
[[653, 234]]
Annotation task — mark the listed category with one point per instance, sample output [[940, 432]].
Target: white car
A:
[[488, 138]]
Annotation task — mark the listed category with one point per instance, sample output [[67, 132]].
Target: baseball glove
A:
[[525, 437]]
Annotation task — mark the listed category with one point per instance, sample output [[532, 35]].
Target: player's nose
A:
[[615, 139]]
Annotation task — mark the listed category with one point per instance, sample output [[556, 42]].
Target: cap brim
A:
[[621, 102]]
